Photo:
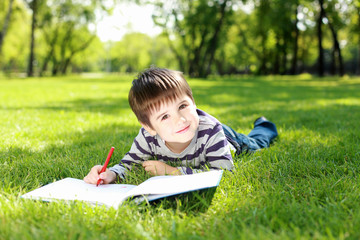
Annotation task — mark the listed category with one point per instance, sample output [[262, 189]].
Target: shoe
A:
[[260, 119]]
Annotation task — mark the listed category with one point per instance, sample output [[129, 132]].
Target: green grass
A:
[[306, 186]]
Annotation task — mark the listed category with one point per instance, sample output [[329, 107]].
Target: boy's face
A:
[[176, 122]]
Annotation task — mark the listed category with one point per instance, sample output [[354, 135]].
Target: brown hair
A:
[[154, 87]]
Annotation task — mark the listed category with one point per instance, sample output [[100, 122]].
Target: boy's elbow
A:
[[230, 167], [226, 165]]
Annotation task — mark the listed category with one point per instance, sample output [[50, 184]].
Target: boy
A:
[[175, 131]]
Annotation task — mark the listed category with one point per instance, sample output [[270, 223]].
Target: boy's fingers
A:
[[146, 163], [97, 169], [103, 176]]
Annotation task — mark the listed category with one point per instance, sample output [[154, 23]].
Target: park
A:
[[64, 103]]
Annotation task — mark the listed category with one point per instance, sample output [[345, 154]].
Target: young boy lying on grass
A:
[[175, 131]]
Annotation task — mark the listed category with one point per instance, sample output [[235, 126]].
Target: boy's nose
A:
[[181, 119]]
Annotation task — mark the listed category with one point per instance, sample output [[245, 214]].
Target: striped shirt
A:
[[209, 149]]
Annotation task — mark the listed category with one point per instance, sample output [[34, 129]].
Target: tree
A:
[[296, 31], [282, 22], [240, 50], [354, 30], [14, 46], [64, 26], [5, 24], [194, 30], [270, 35], [320, 38], [34, 5], [132, 53], [335, 23]]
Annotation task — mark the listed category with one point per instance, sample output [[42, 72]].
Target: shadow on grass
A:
[[249, 91], [108, 105], [190, 202], [27, 169], [291, 105]]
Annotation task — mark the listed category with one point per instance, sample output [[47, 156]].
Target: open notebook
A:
[[113, 195]]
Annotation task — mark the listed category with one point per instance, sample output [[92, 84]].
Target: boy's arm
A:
[[159, 168], [139, 152]]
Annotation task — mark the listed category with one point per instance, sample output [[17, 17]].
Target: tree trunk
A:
[[341, 62], [55, 67], [336, 51], [46, 61], [30, 72], [214, 40], [319, 35], [66, 65], [50, 54], [6, 25], [296, 45]]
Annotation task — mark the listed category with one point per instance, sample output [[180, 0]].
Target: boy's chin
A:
[[181, 140], [186, 140]]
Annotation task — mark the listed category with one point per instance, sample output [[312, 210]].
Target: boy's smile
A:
[[184, 130], [176, 122]]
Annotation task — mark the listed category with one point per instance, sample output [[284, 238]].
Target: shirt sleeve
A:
[[140, 151]]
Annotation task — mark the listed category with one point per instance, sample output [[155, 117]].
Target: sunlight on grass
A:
[[306, 185], [341, 101]]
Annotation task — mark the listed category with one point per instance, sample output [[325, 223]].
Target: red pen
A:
[[105, 164]]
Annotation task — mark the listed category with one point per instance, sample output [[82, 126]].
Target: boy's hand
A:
[[158, 168], [106, 177]]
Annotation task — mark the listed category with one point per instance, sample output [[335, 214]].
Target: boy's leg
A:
[[260, 137], [264, 132]]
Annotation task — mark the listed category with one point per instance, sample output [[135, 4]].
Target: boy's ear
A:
[[148, 129]]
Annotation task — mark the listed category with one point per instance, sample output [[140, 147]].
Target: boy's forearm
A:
[[119, 171], [113, 176]]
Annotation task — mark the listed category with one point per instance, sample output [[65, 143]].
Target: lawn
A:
[[305, 186]]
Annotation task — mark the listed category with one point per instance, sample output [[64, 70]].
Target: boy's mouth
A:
[[184, 129]]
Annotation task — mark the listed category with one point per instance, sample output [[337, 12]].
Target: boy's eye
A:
[[182, 106], [165, 117]]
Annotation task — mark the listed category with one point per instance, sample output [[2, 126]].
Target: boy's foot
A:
[[260, 119]]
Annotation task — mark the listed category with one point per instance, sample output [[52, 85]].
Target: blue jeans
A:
[[261, 136]]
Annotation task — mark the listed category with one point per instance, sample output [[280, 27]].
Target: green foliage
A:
[[305, 186], [92, 59], [131, 54], [137, 51], [16, 48], [198, 27], [199, 37], [65, 28], [161, 54]]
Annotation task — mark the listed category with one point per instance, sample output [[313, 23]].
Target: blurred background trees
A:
[[199, 37]]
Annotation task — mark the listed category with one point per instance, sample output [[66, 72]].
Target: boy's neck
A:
[[177, 147]]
